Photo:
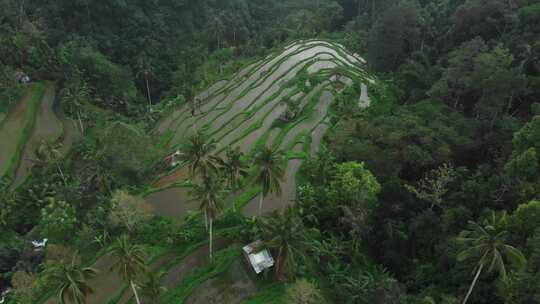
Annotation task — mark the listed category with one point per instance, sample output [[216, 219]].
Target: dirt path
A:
[[47, 127]]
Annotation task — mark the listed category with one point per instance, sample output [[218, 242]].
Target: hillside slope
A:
[[246, 112]]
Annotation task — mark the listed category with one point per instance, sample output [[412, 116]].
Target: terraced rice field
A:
[[16, 128], [46, 127], [245, 113], [28, 122]]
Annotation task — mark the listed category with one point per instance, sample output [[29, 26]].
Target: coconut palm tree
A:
[[234, 167], [71, 281], [129, 261], [151, 287], [144, 67], [486, 243], [210, 195], [49, 153], [196, 154], [76, 93], [269, 173], [285, 233]]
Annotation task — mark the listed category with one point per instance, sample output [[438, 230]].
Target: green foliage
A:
[[525, 220], [286, 235], [221, 261], [272, 294], [126, 152], [354, 184], [304, 292], [57, 220], [523, 165], [70, 281], [393, 35]]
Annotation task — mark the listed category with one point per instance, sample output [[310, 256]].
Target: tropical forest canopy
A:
[[429, 195]]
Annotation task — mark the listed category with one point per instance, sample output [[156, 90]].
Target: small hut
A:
[[21, 77], [259, 258], [172, 160]]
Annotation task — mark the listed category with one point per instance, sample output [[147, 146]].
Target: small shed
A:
[[259, 258], [21, 77], [39, 245], [172, 158]]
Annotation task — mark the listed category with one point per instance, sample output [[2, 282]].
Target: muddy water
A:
[[320, 111], [12, 129], [321, 65], [273, 202], [255, 97], [47, 127], [231, 287], [272, 108], [204, 95], [316, 137], [249, 141], [172, 202]]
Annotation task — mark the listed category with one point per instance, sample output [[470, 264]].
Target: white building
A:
[[260, 259]]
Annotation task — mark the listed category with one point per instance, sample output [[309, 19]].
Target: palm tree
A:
[[144, 66], [210, 195], [71, 281], [196, 154], [129, 261], [49, 153], [234, 167], [76, 93], [285, 233], [270, 173], [486, 242], [151, 288]]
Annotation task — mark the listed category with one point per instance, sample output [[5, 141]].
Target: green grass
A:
[[220, 263], [270, 294]]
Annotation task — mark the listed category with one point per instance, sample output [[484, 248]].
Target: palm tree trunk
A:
[[135, 292], [473, 283], [80, 121], [61, 174], [206, 220], [210, 232], [148, 92], [261, 197]]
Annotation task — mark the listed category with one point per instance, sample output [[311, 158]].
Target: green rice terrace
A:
[[30, 122], [249, 111]]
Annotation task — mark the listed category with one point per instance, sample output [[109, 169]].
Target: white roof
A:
[[259, 260]]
